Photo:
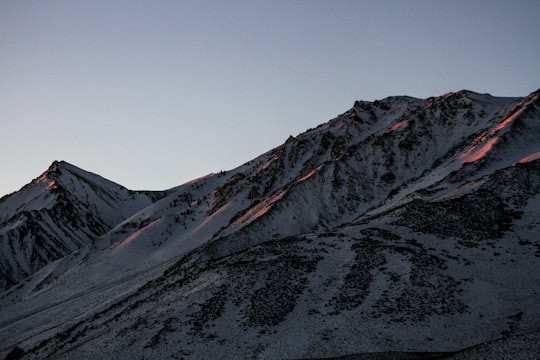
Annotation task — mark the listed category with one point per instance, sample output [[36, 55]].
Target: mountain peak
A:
[[469, 92], [52, 173], [57, 213], [60, 170], [56, 164], [414, 217]]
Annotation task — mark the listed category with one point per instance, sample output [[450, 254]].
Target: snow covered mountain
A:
[[404, 225], [56, 214]]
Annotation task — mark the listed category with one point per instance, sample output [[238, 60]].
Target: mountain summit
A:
[[57, 213], [403, 225]]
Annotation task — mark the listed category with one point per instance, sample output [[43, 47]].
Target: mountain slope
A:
[[386, 285], [56, 214], [403, 225]]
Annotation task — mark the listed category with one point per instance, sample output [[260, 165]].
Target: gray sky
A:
[[151, 94]]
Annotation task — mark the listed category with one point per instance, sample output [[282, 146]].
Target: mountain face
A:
[[403, 225], [57, 213]]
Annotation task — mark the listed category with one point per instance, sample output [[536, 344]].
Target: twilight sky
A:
[[151, 94]]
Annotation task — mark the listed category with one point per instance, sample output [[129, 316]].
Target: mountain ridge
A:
[[401, 225]]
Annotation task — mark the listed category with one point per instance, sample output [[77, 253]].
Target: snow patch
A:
[[310, 174], [478, 151], [528, 158]]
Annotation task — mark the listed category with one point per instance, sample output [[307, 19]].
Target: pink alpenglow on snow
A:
[[478, 151], [397, 125], [528, 158], [310, 174]]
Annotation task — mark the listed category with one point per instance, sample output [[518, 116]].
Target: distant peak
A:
[[51, 173], [54, 166], [59, 164], [466, 93], [387, 101], [54, 171]]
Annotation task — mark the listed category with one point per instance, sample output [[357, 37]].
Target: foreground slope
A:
[[401, 225]]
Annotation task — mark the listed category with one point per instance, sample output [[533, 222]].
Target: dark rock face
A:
[[479, 216]]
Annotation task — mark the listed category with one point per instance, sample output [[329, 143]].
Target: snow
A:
[[478, 151], [398, 125], [310, 174], [56, 214], [528, 158], [298, 224]]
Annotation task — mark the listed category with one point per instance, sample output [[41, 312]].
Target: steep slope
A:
[[56, 214], [373, 156], [401, 225], [466, 276], [375, 153]]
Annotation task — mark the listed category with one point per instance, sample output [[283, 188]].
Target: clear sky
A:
[[151, 94]]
